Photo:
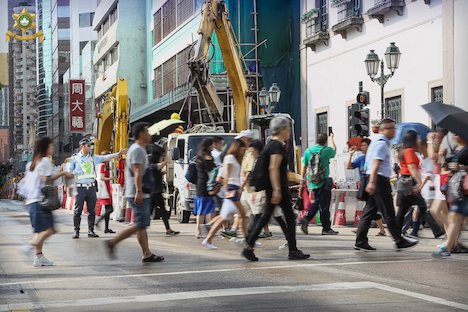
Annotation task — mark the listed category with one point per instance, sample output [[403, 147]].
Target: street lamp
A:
[[269, 99], [392, 58]]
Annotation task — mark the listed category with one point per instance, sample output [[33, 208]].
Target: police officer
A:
[[83, 166]]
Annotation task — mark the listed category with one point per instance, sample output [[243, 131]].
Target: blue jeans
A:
[[322, 198]]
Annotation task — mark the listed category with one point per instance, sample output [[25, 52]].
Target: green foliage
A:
[[5, 169]]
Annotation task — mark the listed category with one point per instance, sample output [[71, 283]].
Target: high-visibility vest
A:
[[87, 168]]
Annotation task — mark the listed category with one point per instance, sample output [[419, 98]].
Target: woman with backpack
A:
[[232, 191], [204, 202], [158, 206], [39, 172]]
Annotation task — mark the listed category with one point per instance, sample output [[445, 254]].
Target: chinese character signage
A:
[[77, 106]]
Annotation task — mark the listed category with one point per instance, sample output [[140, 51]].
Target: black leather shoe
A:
[[109, 231], [92, 234], [364, 247], [249, 254], [76, 234], [298, 255]]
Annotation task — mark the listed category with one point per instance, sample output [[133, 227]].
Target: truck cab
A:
[[182, 148]]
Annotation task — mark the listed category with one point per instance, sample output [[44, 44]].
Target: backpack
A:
[[316, 171], [258, 178], [192, 174]]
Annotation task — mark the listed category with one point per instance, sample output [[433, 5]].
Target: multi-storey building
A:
[[44, 65], [60, 64], [120, 50], [337, 37], [83, 39], [24, 95]]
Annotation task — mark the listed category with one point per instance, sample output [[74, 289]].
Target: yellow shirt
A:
[[247, 166]]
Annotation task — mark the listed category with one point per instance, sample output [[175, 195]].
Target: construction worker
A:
[[83, 166]]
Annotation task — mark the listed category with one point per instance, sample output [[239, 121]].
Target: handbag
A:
[[362, 195], [49, 197], [405, 185], [299, 203]]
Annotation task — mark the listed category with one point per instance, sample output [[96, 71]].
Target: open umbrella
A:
[[449, 117], [162, 125], [404, 127]]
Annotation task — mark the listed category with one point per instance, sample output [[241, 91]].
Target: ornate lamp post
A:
[[392, 58], [269, 99]]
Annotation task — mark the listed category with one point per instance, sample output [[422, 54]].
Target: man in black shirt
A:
[[277, 191]]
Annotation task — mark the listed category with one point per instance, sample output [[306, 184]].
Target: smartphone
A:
[[330, 130]]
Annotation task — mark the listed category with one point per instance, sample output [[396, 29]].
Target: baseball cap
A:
[[245, 134]]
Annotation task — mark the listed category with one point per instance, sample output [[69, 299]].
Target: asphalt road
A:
[[336, 278]]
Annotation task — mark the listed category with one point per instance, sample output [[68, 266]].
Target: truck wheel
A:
[[183, 216]]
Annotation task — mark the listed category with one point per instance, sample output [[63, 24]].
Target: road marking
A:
[[284, 265], [212, 293]]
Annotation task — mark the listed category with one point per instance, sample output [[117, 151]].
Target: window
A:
[[157, 92], [157, 31], [169, 17], [349, 9], [86, 19], [183, 70], [63, 11], [181, 146], [169, 78], [322, 122], [184, 10], [393, 108], [322, 22], [437, 94], [64, 34]]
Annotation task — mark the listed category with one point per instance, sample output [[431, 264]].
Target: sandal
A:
[[381, 234], [153, 258]]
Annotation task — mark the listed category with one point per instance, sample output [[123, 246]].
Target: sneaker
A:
[[92, 234], [304, 226], [208, 245], [206, 229], [441, 253], [285, 245], [298, 255], [329, 232], [406, 244], [76, 234], [42, 261], [364, 247], [249, 254], [228, 234], [265, 235], [172, 233], [411, 238]]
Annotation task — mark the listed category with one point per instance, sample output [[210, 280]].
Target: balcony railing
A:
[[349, 17], [316, 28], [383, 7]]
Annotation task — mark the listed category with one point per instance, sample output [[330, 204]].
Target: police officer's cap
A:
[[87, 141]]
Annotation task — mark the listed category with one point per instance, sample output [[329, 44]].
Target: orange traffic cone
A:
[[358, 215], [340, 214]]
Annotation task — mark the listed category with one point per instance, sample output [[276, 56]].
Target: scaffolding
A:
[[197, 111]]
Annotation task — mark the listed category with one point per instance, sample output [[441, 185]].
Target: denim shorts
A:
[[141, 212], [460, 207], [41, 219], [234, 189]]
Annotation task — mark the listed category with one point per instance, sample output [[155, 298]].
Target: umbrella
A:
[[449, 117], [162, 125], [356, 141], [404, 127]]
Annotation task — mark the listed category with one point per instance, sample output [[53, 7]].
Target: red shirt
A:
[[409, 157]]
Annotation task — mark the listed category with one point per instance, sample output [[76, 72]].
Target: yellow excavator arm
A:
[[112, 130], [215, 18]]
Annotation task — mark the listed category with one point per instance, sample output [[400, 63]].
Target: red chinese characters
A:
[[77, 106]]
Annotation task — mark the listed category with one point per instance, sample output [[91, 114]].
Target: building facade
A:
[[337, 36], [44, 66], [83, 40], [24, 95], [120, 50]]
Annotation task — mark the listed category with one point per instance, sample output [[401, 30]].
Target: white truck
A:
[[182, 148]]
